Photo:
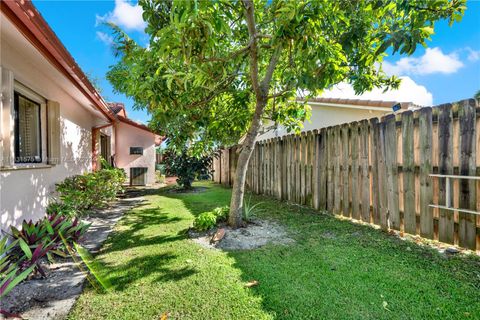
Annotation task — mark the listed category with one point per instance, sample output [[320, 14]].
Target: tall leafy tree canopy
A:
[[216, 70]]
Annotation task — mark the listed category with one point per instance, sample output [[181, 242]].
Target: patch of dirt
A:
[[256, 234]]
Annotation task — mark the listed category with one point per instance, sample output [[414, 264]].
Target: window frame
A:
[[136, 153], [16, 95]]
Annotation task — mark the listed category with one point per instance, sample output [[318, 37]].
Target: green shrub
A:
[[205, 221], [209, 219], [187, 168], [160, 167], [221, 213], [57, 207], [91, 190]]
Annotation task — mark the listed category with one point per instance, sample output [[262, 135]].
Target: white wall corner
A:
[[6, 118]]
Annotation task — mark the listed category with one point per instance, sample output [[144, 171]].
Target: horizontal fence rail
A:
[[385, 172]]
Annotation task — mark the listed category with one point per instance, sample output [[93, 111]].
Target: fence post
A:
[[426, 212]]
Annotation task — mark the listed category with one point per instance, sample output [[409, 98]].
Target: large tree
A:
[[215, 71]]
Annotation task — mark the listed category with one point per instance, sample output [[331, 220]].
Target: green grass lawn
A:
[[335, 270]]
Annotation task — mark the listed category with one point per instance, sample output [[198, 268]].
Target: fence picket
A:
[[426, 212], [445, 150], [365, 177], [316, 169], [336, 170], [374, 163], [467, 228], [378, 171], [330, 188], [322, 162], [382, 178], [303, 167], [345, 171], [309, 171], [355, 185], [409, 215], [392, 171]]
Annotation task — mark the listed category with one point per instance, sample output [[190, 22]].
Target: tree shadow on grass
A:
[[144, 267], [133, 233], [138, 221], [198, 202], [341, 270]]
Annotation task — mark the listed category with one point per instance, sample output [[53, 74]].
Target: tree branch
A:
[[230, 56], [279, 94], [214, 93], [271, 68], [250, 19]]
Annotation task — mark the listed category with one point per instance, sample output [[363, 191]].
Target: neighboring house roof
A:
[[134, 123], [118, 109], [358, 103], [33, 26]]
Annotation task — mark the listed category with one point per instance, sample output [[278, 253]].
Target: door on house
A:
[[105, 147], [138, 176]]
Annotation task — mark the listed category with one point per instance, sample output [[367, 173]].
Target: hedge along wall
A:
[[379, 171]]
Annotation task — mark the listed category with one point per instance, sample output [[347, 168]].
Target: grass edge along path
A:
[[335, 270]]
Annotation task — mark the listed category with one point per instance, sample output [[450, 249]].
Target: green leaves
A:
[[26, 249], [195, 77]]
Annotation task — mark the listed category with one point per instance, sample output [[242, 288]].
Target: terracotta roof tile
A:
[[116, 107]]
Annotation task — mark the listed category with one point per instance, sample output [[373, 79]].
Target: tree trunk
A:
[[235, 218]]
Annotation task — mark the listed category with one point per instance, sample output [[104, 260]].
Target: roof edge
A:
[[134, 123], [371, 104], [33, 26]]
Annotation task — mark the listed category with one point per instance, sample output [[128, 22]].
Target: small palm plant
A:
[[250, 210]]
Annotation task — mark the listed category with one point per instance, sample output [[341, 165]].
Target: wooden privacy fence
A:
[[388, 173]]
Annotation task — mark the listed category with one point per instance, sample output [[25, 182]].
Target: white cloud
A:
[[473, 55], [125, 15], [105, 38], [409, 91], [432, 61]]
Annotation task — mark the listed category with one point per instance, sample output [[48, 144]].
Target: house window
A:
[[136, 150], [28, 137]]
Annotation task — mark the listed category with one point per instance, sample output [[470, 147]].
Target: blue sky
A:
[[448, 70]]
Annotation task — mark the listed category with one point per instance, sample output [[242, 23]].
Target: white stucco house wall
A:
[[135, 149], [326, 112], [53, 122]]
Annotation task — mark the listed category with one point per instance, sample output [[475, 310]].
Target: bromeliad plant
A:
[[9, 271], [46, 237], [55, 234]]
